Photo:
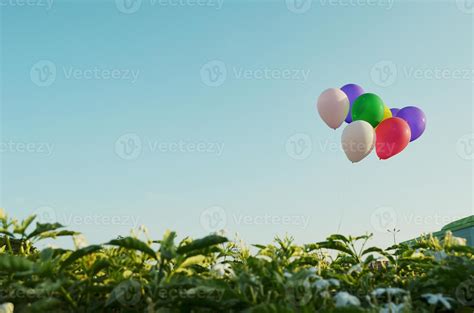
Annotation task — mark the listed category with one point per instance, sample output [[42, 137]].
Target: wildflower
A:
[[222, 268], [344, 299], [325, 284], [392, 308], [334, 282], [438, 298], [390, 291], [321, 284], [287, 274], [80, 241], [355, 268], [6, 308], [264, 257]]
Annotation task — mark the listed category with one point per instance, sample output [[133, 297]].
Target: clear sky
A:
[[198, 115]]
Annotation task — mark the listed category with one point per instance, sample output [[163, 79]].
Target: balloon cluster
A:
[[371, 122]]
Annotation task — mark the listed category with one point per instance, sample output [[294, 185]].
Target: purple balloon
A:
[[352, 91], [415, 118], [394, 112]]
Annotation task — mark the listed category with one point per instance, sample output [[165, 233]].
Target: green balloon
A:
[[370, 108]]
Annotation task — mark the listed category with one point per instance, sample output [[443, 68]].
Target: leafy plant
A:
[[211, 274]]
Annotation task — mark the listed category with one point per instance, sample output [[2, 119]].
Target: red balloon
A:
[[393, 135]]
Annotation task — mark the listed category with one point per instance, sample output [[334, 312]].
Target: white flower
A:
[[344, 299], [392, 308], [222, 268], [438, 298], [321, 284], [390, 291], [291, 259], [80, 241], [325, 284], [264, 257], [6, 308], [287, 275], [355, 268]]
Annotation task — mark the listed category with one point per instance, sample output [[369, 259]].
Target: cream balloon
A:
[[333, 106], [358, 140]]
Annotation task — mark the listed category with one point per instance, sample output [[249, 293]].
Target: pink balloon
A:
[[333, 106]]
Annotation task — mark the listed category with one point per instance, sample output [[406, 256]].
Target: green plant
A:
[[211, 274]]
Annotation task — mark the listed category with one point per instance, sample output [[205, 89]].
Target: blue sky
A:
[[211, 99]]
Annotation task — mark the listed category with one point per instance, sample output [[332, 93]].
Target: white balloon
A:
[[333, 106], [358, 140]]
